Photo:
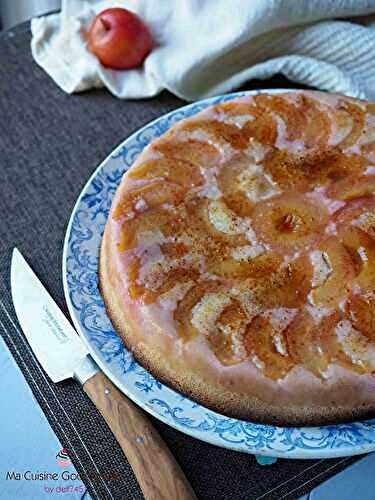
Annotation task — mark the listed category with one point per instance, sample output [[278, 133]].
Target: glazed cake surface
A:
[[238, 259]]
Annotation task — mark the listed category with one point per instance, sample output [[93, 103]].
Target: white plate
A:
[[80, 266]]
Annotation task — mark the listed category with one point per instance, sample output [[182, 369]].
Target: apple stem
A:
[[105, 24]]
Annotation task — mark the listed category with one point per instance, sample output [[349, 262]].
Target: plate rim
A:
[[297, 453]]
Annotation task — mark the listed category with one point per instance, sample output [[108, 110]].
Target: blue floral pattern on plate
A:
[[80, 265]]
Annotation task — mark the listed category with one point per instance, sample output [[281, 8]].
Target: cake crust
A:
[[292, 387]]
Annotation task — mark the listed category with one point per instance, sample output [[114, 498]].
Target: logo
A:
[[62, 458]]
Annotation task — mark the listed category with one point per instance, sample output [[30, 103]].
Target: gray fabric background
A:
[[49, 145]]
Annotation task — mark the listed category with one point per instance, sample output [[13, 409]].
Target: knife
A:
[[63, 355]]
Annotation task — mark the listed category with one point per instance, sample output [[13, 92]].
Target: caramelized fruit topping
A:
[[261, 205], [290, 222]]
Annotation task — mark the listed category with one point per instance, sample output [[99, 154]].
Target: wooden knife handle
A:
[[159, 475]]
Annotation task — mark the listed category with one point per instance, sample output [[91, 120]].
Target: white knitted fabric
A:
[[209, 47]]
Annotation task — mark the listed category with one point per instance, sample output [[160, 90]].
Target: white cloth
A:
[[209, 47]]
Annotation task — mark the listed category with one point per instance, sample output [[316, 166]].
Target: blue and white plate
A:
[[80, 274]]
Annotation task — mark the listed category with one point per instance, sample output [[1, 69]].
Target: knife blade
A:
[[63, 354], [59, 349]]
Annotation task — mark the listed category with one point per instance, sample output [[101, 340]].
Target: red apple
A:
[[119, 39]]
